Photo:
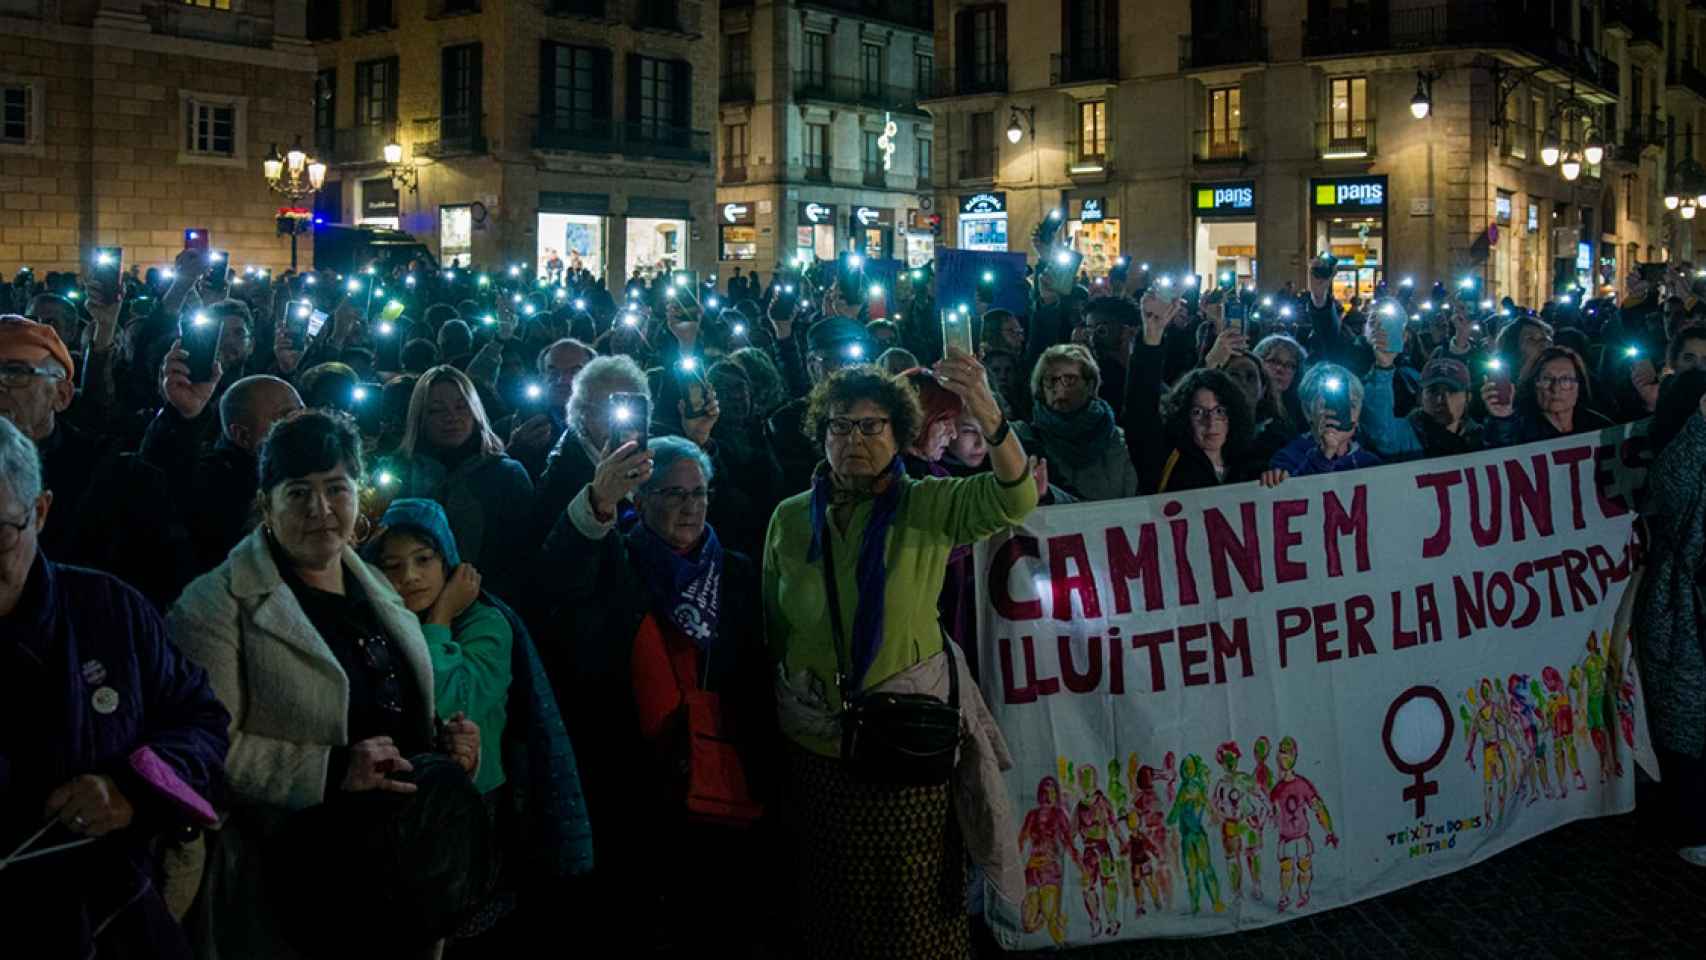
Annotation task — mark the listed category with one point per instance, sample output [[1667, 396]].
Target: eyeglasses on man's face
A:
[[15, 373], [678, 497]]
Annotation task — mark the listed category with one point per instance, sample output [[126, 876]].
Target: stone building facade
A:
[[126, 122]]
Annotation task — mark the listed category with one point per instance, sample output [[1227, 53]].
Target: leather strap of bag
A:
[[833, 597]]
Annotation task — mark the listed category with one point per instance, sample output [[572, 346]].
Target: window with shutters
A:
[[817, 151], [983, 41], [737, 77], [1092, 130], [17, 114], [980, 50], [460, 107], [325, 110], [977, 161], [1348, 110], [924, 74], [873, 160], [376, 92], [657, 97], [323, 19], [211, 128], [1225, 123], [734, 152], [871, 69], [815, 65], [923, 157], [577, 90]]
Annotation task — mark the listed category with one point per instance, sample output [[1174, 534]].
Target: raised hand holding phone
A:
[[622, 471]]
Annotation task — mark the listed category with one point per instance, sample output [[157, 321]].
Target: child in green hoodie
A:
[[470, 641]]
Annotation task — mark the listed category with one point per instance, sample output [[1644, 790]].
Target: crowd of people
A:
[[438, 600]]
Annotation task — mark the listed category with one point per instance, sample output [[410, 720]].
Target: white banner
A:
[[1234, 707]]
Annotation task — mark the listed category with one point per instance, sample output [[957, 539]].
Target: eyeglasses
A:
[[389, 692], [1063, 380], [1208, 414], [1558, 383], [11, 533], [1281, 364], [20, 374], [869, 426], [677, 497]]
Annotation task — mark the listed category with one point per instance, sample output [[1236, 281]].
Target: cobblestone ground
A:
[[1595, 889]]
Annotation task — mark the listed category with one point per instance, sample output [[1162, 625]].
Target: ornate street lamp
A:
[[296, 176]]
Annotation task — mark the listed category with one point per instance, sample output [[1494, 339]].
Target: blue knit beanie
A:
[[422, 518]]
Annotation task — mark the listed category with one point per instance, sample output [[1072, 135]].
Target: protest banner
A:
[[1237, 706]]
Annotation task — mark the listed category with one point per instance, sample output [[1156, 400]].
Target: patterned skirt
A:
[[880, 871]]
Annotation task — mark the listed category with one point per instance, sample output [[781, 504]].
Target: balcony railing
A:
[[1644, 132], [812, 85], [1083, 66], [1223, 145], [1463, 23], [364, 144], [977, 164], [450, 136], [907, 13], [735, 88], [1344, 139], [971, 78], [817, 166], [638, 139], [1689, 77], [876, 177], [1233, 44], [734, 169]]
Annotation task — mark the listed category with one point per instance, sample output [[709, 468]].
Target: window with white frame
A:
[[17, 114], [210, 128]]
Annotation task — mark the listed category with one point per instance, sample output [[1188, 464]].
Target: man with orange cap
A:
[[116, 510]]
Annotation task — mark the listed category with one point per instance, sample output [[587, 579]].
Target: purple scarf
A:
[[685, 590], [872, 573]]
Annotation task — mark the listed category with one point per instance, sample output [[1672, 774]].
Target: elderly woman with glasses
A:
[[1551, 400], [1332, 399], [327, 678], [112, 746], [852, 575], [1074, 429], [665, 647]]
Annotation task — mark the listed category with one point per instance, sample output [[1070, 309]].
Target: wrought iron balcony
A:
[[1344, 139], [977, 164], [812, 85], [1083, 66], [967, 79], [1223, 145], [1222, 47]]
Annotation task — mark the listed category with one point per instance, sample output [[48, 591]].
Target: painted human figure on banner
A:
[[1295, 799], [1142, 854], [1264, 775], [1484, 726], [1150, 817], [1190, 810], [1593, 692], [1241, 809], [1099, 867], [1560, 717], [1534, 775], [1047, 836]]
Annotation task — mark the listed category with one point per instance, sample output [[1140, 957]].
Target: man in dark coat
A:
[[107, 734]]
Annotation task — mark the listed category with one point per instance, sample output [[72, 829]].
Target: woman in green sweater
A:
[[470, 642], [881, 867]]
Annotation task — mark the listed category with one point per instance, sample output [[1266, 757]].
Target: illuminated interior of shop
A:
[[655, 246], [575, 241], [1098, 241], [1226, 245], [1359, 243]]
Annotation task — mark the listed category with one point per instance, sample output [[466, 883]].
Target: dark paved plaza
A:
[[1595, 889]]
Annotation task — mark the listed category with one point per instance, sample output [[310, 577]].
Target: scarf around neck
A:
[[871, 574], [1077, 438], [686, 590]]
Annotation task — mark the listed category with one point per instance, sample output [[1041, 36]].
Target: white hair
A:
[[615, 370], [20, 463]]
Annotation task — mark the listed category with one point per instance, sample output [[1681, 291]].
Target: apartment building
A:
[[530, 131], [822, 146], [1404, 137], [125, 122]]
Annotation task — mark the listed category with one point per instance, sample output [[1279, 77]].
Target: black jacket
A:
[[588, 647], [214, 487], [113, 512]]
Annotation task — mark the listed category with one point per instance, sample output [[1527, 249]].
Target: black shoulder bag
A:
[[903, 739]]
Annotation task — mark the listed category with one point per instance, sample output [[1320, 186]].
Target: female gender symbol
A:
[[1422, 788]]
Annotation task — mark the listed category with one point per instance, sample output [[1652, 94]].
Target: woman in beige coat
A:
[[322, 667]]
